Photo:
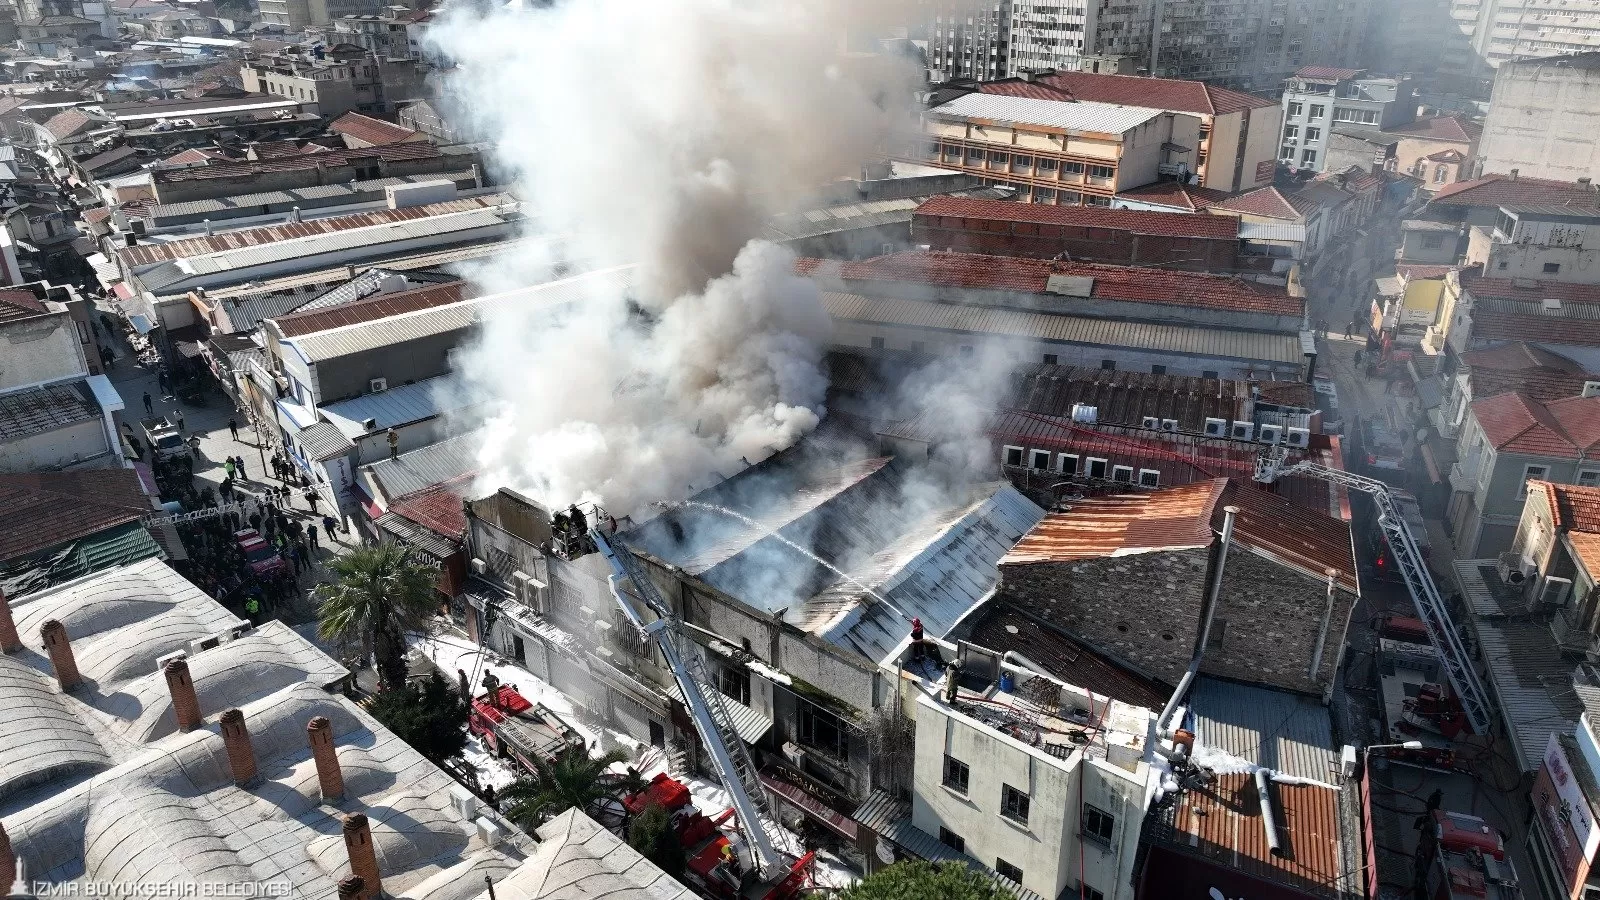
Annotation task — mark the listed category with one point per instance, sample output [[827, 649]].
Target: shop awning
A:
[[837, 822], [751, 725]]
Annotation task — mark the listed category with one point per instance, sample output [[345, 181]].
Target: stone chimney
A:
[[185, 704], [1514, 174], [54, 635], [8, 860], [241, 756], [351, 887], [10, 642], [363, 856], [330, 780]]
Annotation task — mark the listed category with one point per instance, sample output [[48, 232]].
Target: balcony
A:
[[1464, 475]]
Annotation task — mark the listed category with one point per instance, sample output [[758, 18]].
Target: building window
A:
[[1098, 824], [1313, 134], [734, 681], [1158, 370], [1067, 463], [1150, 478], [1101, 173], [1068, 198], [1286, 154], [1440, 173], [1208, 374], [877, 343], [821, 730], [1308, 157], [952, 840], [1044, 195], [1007, 870], [1318, 111], [1552, 268], [1123, 474], [956, 774], [1097, 467], [1050, 359], [1531, 473], [1589, 478], [1013, 804], [1433, 242], [1011, 455], [1039, 459], [1295, 109], [1089, 893], [1219, 627], [1108, 365], [1073, 170], [1291, 132]]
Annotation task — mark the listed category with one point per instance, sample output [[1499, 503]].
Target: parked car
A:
[[262, 559], [164, 437]]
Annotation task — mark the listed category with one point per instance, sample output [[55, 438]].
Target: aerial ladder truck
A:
[[1273, 464], [765, 872]]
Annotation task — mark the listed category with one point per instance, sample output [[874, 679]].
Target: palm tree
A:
[[381, 593], [571, 779]]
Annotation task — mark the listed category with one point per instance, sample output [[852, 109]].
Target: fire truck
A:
[[512, 726], [1460, 857], [703, 840]]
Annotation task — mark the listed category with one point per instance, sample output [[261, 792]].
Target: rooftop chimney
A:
[[241, 756], [1513, 174], [54, 635], [185, 704], [351, 887], [363, 856], [330, 780], [8, 860], [10, 642]]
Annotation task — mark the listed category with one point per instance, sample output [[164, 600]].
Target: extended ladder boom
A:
[[1413, 568], [711, 719]]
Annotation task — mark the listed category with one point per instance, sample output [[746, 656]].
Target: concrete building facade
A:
[[1316, 99], [1544, 117]]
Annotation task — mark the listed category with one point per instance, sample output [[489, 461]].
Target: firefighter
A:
[[580, 524]]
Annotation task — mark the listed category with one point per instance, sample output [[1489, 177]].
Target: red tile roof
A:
[[1180, 196], [1528, 291], [1222, 821], [1172, 519], [1007, 273], [438, 509], [1497, 326], [191, 156], [45, 509], [1498, 190], [1440, 128], [1446, 156], [1519, 357], [1565, 429], [1267, 201], [67, 123], [147, 254], [370, 309], [387, 152], [16, 305], [1572, 507], [1129, 90], [368, 130], [1327, 73], [1136, 221], [1523, 368]]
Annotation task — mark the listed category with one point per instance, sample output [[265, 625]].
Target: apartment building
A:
[[1517, 30], [335, 82], [57, 409], [1548, 243], [1317, 98], [1069, 154], [967, 38], [394, 33], [296, 15], [1542, 114]]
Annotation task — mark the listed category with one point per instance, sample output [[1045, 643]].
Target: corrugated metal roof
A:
[[750, 725], [1211, 343], [400, 405], [422, 468], [938, 571], [408, 532], [1172, 519], [1288, 733], [1100, 118], [323, 441], [1271, 231], [250, 204]]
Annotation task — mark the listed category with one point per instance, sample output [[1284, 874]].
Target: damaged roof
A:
[[1004, 627], [1176, 518]]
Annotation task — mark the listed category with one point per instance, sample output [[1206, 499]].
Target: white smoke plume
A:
[[661, 134]]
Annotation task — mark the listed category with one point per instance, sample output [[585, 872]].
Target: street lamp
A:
[[1404, 745]]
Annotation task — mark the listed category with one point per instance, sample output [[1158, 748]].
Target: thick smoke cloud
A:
[[660, 134]]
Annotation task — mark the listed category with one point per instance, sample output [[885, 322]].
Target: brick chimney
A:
[[330, 780], [241, 756], [8, 860], [363, 856], [185, 704], [10, 642], [351, 887], [54, 635]]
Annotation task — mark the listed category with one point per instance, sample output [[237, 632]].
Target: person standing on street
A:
[[180, 422], [311, 500], [328, 524], [228, 467], [311, 535], [233, 428], [149, 408]]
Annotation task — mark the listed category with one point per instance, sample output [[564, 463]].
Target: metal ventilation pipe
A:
[[1213, 594], [1269, 819], [1322, 635]]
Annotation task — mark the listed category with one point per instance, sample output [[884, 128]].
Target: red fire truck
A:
[[1460, 857], [513, 726], [703, 839]]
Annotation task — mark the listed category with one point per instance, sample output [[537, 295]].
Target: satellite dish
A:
[[885, 852]]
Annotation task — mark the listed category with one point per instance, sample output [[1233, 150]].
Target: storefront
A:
[[1563, 837]]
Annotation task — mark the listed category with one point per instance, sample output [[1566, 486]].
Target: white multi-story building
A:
[[1050, 34], [967, 38], [1541, 121], [1502, 30]]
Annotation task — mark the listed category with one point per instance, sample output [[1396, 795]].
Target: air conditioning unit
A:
[[488, 833], [1555, 591], [1151, 422], [1270, 434], [161, 661], [1591, 388], [1169, 424], [530, 590], [1298, 437], [794, 753], [479, 566], [1243, 431], [464, 802], [1513, 569], [369, 424], [1216, 427], [378, 385]]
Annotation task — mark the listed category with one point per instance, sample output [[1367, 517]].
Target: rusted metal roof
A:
[[1286, 534], [1164, 224], [1124, 525]]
